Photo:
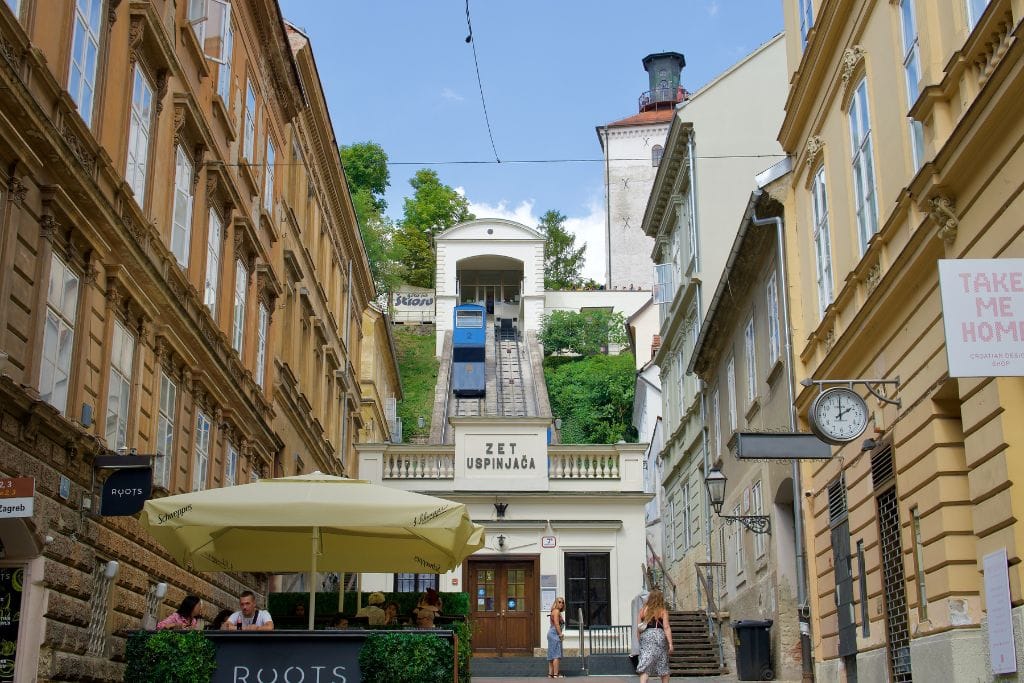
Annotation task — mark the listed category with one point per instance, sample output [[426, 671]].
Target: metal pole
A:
[[312, 576]]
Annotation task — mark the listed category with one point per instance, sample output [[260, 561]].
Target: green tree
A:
[[433, 208], [584, 333], [593, 397], [366, 168], [562, 260]]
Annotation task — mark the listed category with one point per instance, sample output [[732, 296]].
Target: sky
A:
[[400, 73]]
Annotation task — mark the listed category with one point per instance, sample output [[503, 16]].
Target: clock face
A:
[[838, 415]]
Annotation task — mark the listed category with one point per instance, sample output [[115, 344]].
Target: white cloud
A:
[[451, 95], [712, 8], [588, 228]]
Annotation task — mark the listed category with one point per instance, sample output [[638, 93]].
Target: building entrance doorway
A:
[[503, 605]]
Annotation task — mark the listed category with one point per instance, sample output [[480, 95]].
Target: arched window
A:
[[656, 153]]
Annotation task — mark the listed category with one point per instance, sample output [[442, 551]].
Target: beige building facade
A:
[[699, 195], [903, 120], [181, 275]]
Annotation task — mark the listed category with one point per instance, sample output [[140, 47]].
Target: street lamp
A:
[[715, 483]]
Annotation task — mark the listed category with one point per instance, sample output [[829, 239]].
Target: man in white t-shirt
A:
[[248, 618]]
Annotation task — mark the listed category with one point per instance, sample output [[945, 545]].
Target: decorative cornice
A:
[[17, 189], [114, 295], [943, 212], [852, 58], [48, 227]]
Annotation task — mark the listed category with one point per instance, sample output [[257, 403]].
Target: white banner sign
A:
[[983, 311], [1001, 650], [413, 304]]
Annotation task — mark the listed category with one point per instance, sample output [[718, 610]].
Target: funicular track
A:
[[511, 395]]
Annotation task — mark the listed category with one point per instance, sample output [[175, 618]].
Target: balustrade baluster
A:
[[615, 466]]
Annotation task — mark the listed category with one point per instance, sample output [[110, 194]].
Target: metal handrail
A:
[[664, 576], [707, 581], [583, 652]]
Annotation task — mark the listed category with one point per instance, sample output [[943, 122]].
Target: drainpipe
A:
[[692, 162], [607, 211], [803, 608]]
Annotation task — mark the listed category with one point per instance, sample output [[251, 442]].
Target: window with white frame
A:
[[657, 152], [693, 258], [231, 466], [139, 134], [865, 199], [224, 72], [975, 8], [730, 385], [238, 316], [58, 334], [680, 382], [673, 545], [201, 464], [85, 50], [268, 178], [756, 503], [748, 352], [212, 277], [261, 343], [739, 541], [685, 540], [197, 18], [122, 355], [694, 326], [716, 424], [249, 130], [165, 431], [772, 300], [822, 240], [806, 19], [912, 71], [184, 198]]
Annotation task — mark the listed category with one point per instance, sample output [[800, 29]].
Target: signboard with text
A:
[[17, 496], [983, 312], [1001, 649], [126, 491], [412, 304], [12, 580]]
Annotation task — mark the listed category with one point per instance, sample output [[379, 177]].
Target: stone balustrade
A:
[[431, 464], [583, 465]]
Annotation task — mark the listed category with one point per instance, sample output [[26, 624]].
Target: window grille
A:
[[151, 617], [894, 587], [99, 610]]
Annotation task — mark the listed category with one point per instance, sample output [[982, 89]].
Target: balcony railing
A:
[[426, 465], [583, 466], [652, 98]]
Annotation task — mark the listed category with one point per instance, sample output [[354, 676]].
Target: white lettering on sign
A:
[[291, 674], [126, 492], [983, 312]]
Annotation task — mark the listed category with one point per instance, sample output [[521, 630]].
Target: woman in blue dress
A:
[[557, 624]]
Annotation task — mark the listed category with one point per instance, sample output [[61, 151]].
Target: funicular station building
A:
[[561, 520]]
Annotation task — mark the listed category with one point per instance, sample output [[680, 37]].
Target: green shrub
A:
[[169, 657], [406, 658], [593, 396], [465, 653]]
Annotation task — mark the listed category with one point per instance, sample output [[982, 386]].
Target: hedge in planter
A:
[[406, 658], [169, 657]]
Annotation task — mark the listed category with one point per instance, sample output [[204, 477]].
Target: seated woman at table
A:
[[391, 614], [185, 617], [429, 607], [339, 622]]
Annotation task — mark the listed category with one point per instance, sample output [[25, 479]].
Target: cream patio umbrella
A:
[[311, 521]]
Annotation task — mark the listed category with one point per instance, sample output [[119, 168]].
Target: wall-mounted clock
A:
[[838, 415]]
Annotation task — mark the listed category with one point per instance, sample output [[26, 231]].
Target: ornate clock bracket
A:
[[867, 383]]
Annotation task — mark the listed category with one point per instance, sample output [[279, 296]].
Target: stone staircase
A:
[[695, 653]]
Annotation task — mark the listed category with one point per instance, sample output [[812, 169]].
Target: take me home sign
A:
[[983, 312]]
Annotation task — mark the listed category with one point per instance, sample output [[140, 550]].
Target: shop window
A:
[[588, 587], [415, 583]]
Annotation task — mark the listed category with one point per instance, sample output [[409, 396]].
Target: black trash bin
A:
[[753, 650]]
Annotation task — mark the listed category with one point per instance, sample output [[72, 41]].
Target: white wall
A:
[[630, 177]]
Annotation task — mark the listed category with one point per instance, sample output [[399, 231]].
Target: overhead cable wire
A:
[[457, 162], [480, 84]]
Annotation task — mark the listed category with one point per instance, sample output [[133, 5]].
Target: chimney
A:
[[655, 345]]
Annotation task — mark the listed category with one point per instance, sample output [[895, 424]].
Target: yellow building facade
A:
[[903, 122], [181, 275]]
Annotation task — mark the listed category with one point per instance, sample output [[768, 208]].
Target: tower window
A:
[[656, 153]]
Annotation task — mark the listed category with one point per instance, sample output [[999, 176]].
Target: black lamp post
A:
[[715, 483]]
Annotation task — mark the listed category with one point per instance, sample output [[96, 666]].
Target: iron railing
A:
[[660, 580], [706, 596]]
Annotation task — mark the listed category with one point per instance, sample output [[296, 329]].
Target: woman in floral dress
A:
[[655, 638]]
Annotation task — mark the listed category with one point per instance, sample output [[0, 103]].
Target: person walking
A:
[[555, 632], [655, 638]]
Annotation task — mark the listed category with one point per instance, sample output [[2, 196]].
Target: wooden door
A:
[[503, 606]]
